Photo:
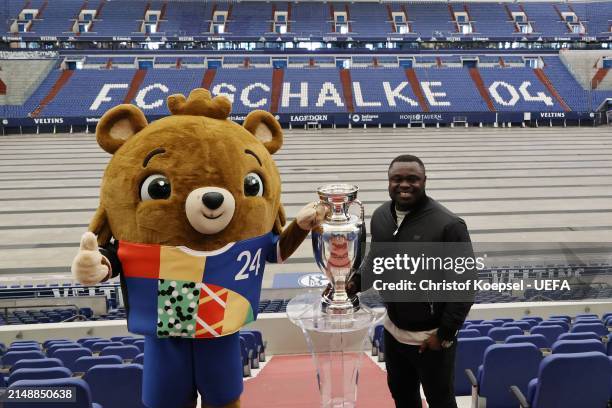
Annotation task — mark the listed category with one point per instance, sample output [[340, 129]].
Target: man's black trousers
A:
[[407, 368]]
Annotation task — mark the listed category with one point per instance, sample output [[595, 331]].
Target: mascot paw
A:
[[311, 215], [89, 267]]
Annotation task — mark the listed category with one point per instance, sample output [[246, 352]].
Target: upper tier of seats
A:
[[440, 85], [362, 20]]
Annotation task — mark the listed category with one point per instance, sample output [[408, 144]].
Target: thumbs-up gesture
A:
[[89, 267]]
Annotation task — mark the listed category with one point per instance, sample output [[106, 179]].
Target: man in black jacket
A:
[[420, 337]]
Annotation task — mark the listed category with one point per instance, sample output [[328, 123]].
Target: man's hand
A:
[[431, 343], [311, 215], [89, 266]]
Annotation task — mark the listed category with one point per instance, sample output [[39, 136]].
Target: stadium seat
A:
[[12, 357], [530, 322], [24, 347], [251, 343], [49, 342], [482, 328], [567, 318], [139, 359], [494, 322], [468, 333], [536, 339], [59, 346], [125, 352], [561, 323], [82, 340], [140, 343], [550, 332], [116, 385], [579, 336], [597, 328], [82, 364], [39, 374], [555, 388], [83, 394], [261, 344], [503, 365], [100, 345], [577, 346], [69, 356], [525, 326], [246, 358], [37, 363], [500, 334], [469, 354]]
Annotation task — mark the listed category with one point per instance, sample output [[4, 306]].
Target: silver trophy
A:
[[336, 243]]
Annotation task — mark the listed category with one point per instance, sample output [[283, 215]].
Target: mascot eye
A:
[[155, 187], [253, 186]]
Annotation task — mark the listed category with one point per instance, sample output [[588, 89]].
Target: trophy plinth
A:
[[336, 244]]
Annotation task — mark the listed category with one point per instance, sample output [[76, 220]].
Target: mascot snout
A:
[[210, 209]]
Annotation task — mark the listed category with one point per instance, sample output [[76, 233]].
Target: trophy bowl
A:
[[336, 244]]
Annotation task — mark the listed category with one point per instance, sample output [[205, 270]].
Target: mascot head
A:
[[193, 178]]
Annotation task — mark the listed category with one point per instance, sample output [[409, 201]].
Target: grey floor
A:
[[510, 185]]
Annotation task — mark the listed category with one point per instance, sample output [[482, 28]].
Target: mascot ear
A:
[[118, 125], [265, 128]]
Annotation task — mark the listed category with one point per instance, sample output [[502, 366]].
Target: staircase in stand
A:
[[59, 84]]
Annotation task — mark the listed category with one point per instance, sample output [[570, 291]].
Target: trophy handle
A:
[[330, 208], [362, 212]]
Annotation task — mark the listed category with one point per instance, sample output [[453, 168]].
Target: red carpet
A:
[[290, 382]]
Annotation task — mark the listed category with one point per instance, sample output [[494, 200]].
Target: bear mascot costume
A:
[[189, 214]]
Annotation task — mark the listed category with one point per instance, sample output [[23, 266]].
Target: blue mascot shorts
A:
[[175, 368]]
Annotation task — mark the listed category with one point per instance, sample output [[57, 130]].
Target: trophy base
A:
[[334, 307]]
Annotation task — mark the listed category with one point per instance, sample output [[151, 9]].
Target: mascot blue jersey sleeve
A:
[[179, 292]]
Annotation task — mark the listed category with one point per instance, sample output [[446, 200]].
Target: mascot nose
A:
[[212, 200]]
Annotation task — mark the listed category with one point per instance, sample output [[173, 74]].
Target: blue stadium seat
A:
[[69, 356], [504, 365], [82, 364], [470, 352], [561, 323], [567, 318], [579, 336], [83, 340], [502, 333], [468, 333], [482, 328], [246, 358], [555, 388], [536, 339], [131, 340], [494, 322], [83, 395], [49, 342], [139, 359], [37, 363], [58, 346], [524, 326], [597, 328], [24, 347], [39, 374], [140, 343], [577, 346], [100, 345], [251, 344], [550, 332], [530, 322], [125, 352], [12, 357], [261, 344], [116, 385]]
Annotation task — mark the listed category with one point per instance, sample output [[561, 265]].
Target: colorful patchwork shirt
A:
[[180, 292]]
